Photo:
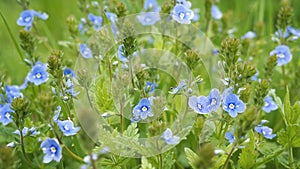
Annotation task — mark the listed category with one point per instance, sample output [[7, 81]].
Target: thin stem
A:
[[268, 158], [284, 77], [93, 162], [131, 71], [23, 148], [291, 158], [73, 155], [121, 117], [230, 154], [160, 161]]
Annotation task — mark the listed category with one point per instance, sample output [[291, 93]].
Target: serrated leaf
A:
[[132, 131], [191, 156], [291, 136], [248, 155], [168, 160], [295, 113], [207, 130], [146, 164]]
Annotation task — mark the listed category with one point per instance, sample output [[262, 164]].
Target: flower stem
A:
[[291, 158], [73, 155], [160, 161], [230, 154]]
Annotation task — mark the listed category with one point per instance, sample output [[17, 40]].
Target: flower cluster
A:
[[182, 12]]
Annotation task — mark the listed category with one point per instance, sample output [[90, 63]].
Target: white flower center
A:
[[53, 149], [66, 127], [144, 108], [231, 106], [150, 5], [27, 19], [86, 52], [213, 102], [38, 75], [181, 15], [266, 104], [280, 55], [148, 19], [199, 106], [7, 115]]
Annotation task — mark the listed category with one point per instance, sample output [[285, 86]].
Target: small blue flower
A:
[[12, 92], [24, 131], [230, 137], [26, 18], [56, 115], [168, 137], [214, 100], [295, 32], [67, 127], [5, 114], [32, 131], [196, 15], [270, 105], [85, 51], [69, 72], [81, 25], [150, 5], [182, 14], [121, 56], [249, 35], [96, 21], [148, 18], [143, 109], [199, 104], [255, 76], [150, 86], [113, 18], [52, 150], [182, 84], [215, 12], [283, 54], [135, 119], [278, 34], [233, 105], [38, 74], [266, 131]]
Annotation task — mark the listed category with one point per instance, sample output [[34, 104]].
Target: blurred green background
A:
[[244, 14]]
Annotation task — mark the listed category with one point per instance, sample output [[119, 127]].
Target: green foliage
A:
[[146, 164], [192, 157], [247, 158]]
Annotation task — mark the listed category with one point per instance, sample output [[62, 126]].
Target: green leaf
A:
[[287, 105], [146, 164], [248, 155], [191, 156], [291, 136], [132, 131], [208, 129], [295, 113], [168, 160]]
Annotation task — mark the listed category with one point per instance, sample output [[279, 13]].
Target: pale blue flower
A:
[[38, 74], [214, 100], [143, 109], [215, 12], [269, 105], [249, 35], [26, 18], [168, 137], [96, 21], [12, 92], [85, 51], [185, 3], [150, 86], [233, 105], [150, 5], [199, 104], [25, 131], [57, 113], [283, 54], [182, 14], [52, 150], [230, 137], [148, 18], [266, 131], [255, 76], [81, 25], [5, 114], [121, 56], [67, 127], [182, 84], [69, 73]]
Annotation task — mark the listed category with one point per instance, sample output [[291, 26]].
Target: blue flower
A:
[[69, 72], [26, 18], [32, 131], [283, 54], [187, 4], [148, 18], [150, 86], [85, 51], [51, 149], [255, 76], [214, 100], [168, 137], [196, 15], [278, 34], [57, 112], [150, 5], [182, 14], [67, 127], [215, 12], [266, 131], [81, 25], [182, 84], [233, 105], [12, 92], [249, 35], [5, 114], [24, 131], [143, 109], [96, 21], [294, 31], [38, 74], [135, 119], [121, 56], [230, 137], [113, 18], [199, 104], [270, 105]]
